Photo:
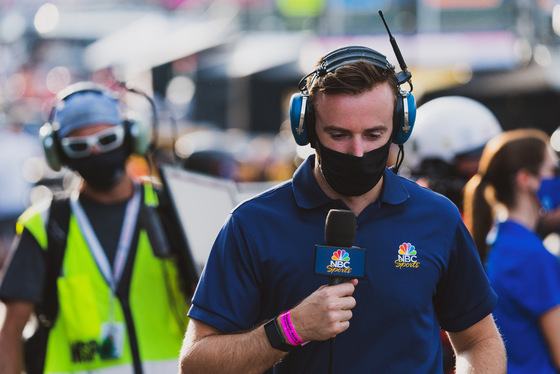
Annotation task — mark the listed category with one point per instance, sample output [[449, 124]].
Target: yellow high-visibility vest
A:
[[150, 320]]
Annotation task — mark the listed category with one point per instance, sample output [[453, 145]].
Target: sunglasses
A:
[[82, 146]]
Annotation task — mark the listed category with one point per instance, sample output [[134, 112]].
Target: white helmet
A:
[[447, 127]]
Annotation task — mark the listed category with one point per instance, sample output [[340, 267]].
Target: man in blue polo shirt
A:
[[422, 267]]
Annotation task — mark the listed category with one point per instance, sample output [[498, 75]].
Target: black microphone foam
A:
[[340, 228]]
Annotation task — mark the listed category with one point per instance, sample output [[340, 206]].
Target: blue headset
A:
[[302, 120], [405, 109]]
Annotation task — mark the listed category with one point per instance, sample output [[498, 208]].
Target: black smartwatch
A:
[[275, 336]]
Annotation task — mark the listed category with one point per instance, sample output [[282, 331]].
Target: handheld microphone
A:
[[340, 228], [338, 258]]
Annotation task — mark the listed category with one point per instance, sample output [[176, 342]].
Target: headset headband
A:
[[85, 87], [80, 87], [345, 56], [137, 132], [302, 122]]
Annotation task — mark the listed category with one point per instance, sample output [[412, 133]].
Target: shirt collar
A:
[[309, 195], [307, 192], [394, 191]]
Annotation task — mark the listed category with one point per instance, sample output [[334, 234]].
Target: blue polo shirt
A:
[[526, 278], [422, 272]]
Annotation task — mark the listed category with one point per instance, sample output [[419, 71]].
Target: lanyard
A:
[[130, 217]]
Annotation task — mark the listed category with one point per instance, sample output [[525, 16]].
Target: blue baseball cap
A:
[[86, 108]]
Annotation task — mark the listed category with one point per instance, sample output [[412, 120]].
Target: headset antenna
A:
[[404, 75]]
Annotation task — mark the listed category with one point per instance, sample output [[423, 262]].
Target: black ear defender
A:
[[136, 132], [301, 113]]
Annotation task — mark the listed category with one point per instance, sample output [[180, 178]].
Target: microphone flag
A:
[[342, 262]]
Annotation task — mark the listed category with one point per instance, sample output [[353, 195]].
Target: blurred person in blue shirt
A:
[[502, 211]]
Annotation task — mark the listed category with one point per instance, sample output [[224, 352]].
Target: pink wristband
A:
[[289, 330]]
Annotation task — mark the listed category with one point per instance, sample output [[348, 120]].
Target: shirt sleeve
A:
[[228, 295], [464, 295], [24, 272]]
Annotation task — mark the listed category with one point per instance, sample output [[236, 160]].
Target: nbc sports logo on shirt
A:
[[407, 257]]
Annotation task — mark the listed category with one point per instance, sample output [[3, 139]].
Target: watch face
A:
[[275, 337]]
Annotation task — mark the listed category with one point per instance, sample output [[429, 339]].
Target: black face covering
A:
[[350, 175], [101, 171]]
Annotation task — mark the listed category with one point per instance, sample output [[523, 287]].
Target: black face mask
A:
[[350, 175], [101, 171]]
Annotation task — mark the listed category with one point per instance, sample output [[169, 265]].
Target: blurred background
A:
[[222, 72]]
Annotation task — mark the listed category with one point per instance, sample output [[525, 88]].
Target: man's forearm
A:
[[487, 356], [320, 316], [248, 352]]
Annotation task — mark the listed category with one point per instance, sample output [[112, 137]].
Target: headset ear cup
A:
[[137, 133], [51, 147], [298, 107], [405, 116]]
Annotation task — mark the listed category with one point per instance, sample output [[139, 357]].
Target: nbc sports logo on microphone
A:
[[340, 262], [340, 259]]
